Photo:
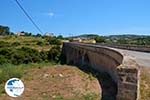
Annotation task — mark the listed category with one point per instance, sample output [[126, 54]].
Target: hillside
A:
[[25, 41], [37, 64], [87, 36], [117, 39]]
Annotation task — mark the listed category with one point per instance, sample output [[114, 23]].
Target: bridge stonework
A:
[[141, 48], [122, 69]]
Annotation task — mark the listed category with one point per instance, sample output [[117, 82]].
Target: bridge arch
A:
[[106, 60]]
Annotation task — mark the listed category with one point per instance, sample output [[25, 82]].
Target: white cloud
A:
[[51, 14]]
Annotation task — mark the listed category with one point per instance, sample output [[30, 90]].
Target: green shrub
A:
[[27, 55], [4, 44], [54, 53], [40, 43], [3, 60], [16, 44], [99, 39], [54, 41], [44, 55], [22, 55]]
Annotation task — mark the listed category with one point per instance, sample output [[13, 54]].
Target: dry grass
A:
[[57, 83], [145, 83]]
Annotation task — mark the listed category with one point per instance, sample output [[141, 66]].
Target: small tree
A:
[[59, 37], [38, 35], [4, 30], [99, 39]]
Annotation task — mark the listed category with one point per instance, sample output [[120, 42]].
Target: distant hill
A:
[[119, 39], [130, 36], [128, 39], [86, 36], [127, 36]]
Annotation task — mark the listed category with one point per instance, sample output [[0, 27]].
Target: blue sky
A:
[[74, 17]]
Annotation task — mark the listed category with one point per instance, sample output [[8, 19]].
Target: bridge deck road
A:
[[142, 58]]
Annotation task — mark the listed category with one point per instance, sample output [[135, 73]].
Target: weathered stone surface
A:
[[131, 79], [127, 95], [123, 70], [128, 86], [127, 70], [122, 79]]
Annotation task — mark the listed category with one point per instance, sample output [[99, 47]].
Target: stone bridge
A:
[[123, 69]]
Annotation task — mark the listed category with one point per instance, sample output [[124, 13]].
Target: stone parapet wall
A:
[[140, 48], [123, 70]]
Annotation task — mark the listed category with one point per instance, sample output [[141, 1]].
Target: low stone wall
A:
[[140, 48], [123, 70]]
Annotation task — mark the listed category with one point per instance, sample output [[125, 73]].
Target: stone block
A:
[[128, 86], [131, 79]]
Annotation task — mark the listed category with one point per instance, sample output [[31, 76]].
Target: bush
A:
[[30, 55], [4, 44], [39, 43], [27, 55], [99, 39], [22, 55], [44, 55], [16, 44], [54, 41], [54, 53], [3, 60]]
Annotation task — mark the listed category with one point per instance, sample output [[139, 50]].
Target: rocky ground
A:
[[71, 83], [58, 83]]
